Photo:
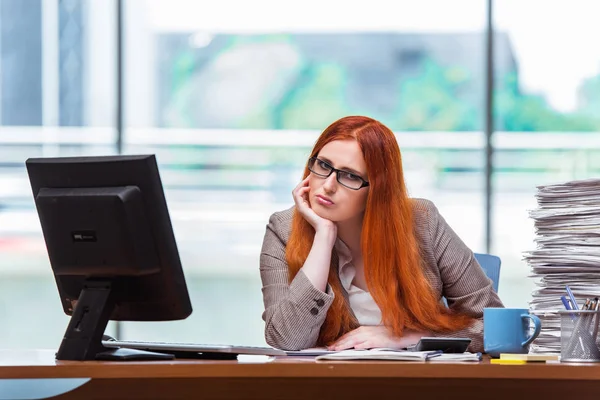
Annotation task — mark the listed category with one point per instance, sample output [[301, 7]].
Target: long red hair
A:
[[391, 255]]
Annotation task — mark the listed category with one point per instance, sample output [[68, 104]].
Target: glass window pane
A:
[[232, 101], [547, 117], [57, 96]]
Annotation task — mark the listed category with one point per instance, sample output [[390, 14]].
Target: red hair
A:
[[391, 255]]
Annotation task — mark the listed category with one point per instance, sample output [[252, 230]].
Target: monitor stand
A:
[[83, 338]]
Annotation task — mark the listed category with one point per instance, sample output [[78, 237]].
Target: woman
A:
[[357, 263]]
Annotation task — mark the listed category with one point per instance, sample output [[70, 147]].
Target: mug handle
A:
[[536, 330]]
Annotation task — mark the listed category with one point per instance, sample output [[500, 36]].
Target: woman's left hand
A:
[[368, 337]]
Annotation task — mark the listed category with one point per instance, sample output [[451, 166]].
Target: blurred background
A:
[[231, 95]]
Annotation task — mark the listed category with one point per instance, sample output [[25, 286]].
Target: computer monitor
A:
[[111, 247]]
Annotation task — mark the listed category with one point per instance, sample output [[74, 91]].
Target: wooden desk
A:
[[293, 378]]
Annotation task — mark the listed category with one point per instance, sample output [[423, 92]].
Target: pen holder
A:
[[579, 336]]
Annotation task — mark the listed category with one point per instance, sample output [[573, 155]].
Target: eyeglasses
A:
[[345, 178]]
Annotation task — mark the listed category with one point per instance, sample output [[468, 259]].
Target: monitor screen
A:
[[110, 243]]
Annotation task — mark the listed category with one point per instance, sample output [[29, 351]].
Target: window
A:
[[57, 74], [232, 107], [231, 99], [547, 118]]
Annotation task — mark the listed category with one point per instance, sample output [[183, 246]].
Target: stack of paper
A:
[[398, 355], [567, 226]]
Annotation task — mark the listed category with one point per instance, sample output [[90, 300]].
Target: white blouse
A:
[[364, 307]]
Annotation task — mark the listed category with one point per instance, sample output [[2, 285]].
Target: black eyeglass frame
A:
[[311, 162]]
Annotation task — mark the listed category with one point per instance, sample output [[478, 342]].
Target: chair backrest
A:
[[491, 265]]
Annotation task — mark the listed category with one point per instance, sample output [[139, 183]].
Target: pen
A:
[[432, 354], [572, 297], [596, 319], [565, 302], [587, 305]]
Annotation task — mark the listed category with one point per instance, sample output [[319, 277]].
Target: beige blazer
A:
[[294, 312]]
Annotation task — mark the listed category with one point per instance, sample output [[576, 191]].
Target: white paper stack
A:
[[567, 226]]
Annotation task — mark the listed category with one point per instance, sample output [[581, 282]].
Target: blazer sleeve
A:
[[466, 287], [294, 311]]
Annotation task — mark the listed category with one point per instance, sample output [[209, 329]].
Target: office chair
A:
[[491, 265]]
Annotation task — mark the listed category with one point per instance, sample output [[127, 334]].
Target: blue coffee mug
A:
[[506, 330]]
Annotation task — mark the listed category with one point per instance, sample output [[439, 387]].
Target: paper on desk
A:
[[311, 352], [590, 182], [567, 229], [398, 355]]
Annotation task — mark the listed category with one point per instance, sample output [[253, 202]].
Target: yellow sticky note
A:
[[541, 357], [507, 362]]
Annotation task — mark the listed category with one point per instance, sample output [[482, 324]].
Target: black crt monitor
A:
[[111, 248]]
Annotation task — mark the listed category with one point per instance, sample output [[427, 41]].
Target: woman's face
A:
[[330, 199]]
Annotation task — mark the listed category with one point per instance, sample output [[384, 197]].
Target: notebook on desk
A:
[[210, 351], [398, 355]]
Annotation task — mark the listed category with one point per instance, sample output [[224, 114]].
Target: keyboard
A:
[[194, 350]]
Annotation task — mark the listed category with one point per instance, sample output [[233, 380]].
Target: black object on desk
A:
[[111, 247], [446, 345]]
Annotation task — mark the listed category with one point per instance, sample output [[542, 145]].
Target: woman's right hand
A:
[[300, 194]]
